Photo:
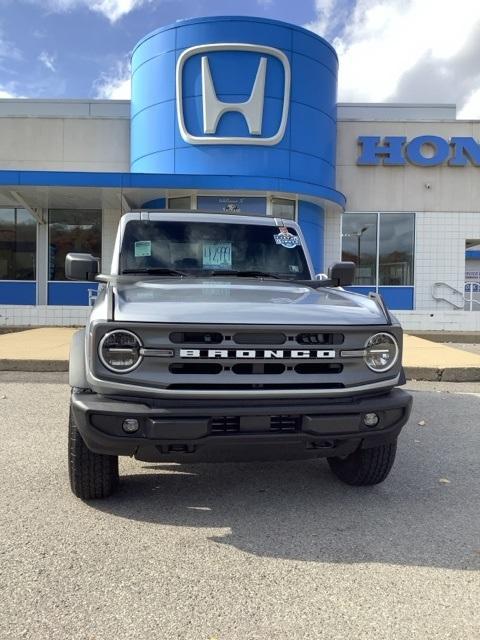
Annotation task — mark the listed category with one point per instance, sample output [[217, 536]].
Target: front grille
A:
[[266, 358], [225, 424], [274, 424], [279, 362], [285, 424]]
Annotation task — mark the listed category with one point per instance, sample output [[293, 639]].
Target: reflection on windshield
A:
[[198, 248]]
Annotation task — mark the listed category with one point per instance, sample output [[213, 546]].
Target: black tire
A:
[[92, 475], [365, 466]]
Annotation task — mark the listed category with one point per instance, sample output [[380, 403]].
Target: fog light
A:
[[130, 425], [370, 419]]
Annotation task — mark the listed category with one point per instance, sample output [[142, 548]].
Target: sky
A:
[[389, 50]]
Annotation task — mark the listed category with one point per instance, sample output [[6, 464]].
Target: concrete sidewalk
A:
[[46, 349]]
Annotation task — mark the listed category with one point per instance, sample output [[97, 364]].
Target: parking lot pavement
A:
[[240, 551]]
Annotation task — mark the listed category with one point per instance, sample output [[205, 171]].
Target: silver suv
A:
[[212, 339]]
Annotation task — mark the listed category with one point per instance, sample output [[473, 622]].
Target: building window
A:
[[382, 247], [72, 230], [396, 249], [180, 203], [359, 245], [283, 208], [18, 244]]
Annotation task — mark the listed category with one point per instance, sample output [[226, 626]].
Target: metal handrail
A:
[[470, 287]]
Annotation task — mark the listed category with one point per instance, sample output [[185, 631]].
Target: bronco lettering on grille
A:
[[317, 354]]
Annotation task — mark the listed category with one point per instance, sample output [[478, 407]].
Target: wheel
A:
[[365, 466], [92, 475]]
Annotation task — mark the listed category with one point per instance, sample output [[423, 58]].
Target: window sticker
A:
[[293, 268], [286, 239], [217, 255], [143, 248]]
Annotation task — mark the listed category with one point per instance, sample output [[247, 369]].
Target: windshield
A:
[[200, 248]]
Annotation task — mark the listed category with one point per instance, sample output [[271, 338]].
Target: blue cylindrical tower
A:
[[239, 97]]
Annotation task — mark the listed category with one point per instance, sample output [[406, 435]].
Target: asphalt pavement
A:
[[240, 551]]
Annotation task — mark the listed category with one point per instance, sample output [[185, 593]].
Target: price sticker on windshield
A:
[[286, 239], [143, 249], [217, 255]]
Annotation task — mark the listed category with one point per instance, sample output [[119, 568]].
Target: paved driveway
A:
[[240, 551]]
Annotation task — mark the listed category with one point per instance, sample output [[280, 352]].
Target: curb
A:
[[428, 374], [34, 365], [449, 374]]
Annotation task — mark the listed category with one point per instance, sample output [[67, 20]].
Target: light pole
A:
[[358, 235]]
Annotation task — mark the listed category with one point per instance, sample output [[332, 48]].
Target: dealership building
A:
[[240, 115]]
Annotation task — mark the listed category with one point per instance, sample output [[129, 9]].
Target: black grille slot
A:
[[249, 337], [318, 367], [320, 338], [196, 337], [255, 386], [258, 368], [285, 424], [195, 368], [225, 424]]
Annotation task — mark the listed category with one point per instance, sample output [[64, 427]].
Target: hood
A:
[[235, 301]]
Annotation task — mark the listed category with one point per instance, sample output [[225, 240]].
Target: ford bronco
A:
[[212, 339]]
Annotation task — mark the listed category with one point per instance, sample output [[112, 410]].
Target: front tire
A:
[[92, 475], [365, 467]]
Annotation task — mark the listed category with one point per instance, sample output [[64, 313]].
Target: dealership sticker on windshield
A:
[[217, 255], [143, 248], [286, 239]]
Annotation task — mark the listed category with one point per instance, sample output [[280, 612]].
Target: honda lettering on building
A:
[[423, 151], [223, 73]]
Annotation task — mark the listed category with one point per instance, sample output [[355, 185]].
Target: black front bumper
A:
[[227, 430]]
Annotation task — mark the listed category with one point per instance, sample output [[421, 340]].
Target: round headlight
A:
[[119, 351], [381, 352]]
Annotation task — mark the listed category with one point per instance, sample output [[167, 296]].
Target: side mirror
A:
[[81, 266], [342, 274]]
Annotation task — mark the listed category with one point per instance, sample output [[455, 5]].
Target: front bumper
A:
[[227, 430]]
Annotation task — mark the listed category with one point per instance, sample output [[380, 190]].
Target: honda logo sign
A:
[[251, 109]]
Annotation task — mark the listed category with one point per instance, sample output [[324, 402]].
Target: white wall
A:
[[64, 135], [384, 188], [333, 238]]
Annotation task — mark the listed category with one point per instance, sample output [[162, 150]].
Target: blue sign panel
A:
[[247, 98], [232, 204], [72, 293], [18, 292]]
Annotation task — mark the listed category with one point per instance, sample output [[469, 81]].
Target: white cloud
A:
[[111, 9], [323, 24], [8, 91], [115, 85], [48, 60], [404, 50], [471, 108]]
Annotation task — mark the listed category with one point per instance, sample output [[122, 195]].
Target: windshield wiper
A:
[[158, 271], [242, 274]]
